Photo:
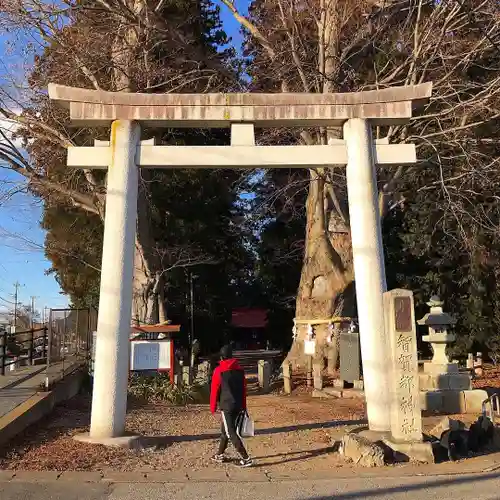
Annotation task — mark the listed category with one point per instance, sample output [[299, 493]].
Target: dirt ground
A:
[[294, 433]]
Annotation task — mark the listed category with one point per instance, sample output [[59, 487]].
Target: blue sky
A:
[[22, 257], [231, 26], [21, 238]]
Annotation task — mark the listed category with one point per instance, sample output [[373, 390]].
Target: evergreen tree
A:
[[185, 217]]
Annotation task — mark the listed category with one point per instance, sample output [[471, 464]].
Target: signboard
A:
[[150, 355]]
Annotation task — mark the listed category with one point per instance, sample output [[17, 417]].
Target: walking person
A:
[[228, 393]]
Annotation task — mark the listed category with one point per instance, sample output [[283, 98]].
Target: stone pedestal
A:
[[439, 341]]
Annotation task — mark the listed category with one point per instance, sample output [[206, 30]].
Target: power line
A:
[[7, 301]]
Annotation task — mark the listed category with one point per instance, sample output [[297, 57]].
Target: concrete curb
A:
[[479, 465], [37, 406]]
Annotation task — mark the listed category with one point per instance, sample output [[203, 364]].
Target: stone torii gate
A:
[[125, 152]]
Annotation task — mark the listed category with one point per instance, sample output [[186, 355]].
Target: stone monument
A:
[[350, 355], [264, 375], [406, 419]]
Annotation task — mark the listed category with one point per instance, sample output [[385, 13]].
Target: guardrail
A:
[[12, 350]]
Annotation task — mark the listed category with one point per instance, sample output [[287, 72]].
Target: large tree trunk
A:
[[148, 303], [148, 277], [326, 284]]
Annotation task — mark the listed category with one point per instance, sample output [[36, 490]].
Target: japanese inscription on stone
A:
[[406, 421], [402, 313]]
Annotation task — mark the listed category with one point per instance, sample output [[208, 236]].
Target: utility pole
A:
[[33, 310], [45, 316], [17, 285]]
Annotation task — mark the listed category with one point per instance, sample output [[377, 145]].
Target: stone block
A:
[[459, 381], [125, 477], [35, 476], [167, 476], [431, 400], [426, 382], [362, 451], [444, 381], [453, 402], [81, 476], [438, 368], [444, 425], [473, 400], [420, 452], [207, 475]]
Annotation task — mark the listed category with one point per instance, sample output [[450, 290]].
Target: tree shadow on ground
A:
[[164, 441], [297, 456], [408, 488]]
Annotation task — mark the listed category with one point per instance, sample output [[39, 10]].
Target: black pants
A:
[[230, 421]]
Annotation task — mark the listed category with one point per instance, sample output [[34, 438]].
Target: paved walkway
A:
[[18, 386], [380, 487]]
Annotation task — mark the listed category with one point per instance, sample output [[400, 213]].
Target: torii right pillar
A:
[[369, 270]]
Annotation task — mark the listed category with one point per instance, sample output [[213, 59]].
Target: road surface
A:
[[463, 487]]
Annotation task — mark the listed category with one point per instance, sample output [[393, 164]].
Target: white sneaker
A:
[[244, 462]]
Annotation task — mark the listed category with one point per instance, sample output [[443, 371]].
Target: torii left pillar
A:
[[111, 367]]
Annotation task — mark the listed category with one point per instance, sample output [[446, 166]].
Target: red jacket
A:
[[229, 387]]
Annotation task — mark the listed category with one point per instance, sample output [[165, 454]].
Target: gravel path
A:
[[293, 433]]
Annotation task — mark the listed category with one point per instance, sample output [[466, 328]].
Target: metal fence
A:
[[23, 348], [70, 335]]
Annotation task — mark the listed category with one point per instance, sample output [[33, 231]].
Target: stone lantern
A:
[[438, 323], [440, 381]]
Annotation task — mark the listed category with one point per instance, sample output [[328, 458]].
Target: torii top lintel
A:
[[99, 108]]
